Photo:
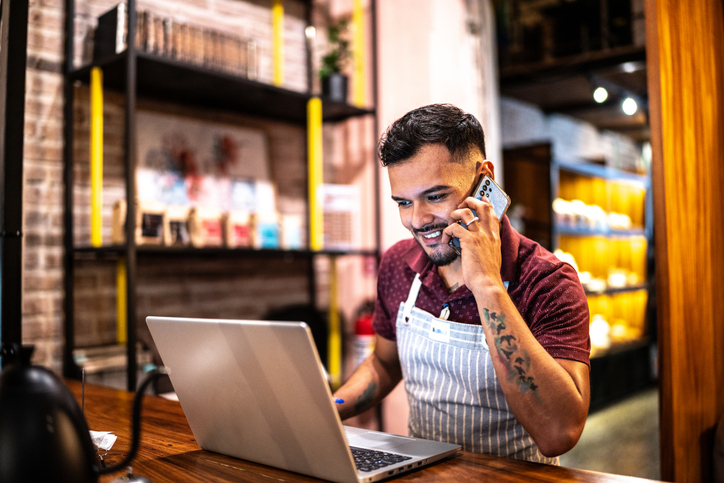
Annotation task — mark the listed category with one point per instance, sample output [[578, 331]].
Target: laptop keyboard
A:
[[370, 460]]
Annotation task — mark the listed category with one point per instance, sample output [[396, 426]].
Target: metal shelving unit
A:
[[170, 80], [627, 365], [137, 74]]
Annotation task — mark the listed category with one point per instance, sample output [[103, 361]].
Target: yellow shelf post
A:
[[96, 156], [315, 170], [358, 55], [121, 300], [316, 235], [278, 41], [334, 347]]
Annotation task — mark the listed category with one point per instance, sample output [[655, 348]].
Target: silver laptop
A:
[[256, 390]]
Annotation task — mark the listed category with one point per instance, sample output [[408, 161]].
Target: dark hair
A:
[[433, 124]]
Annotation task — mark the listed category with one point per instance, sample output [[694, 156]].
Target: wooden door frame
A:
[[685, 57]]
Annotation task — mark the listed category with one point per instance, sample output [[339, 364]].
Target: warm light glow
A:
[[310, 32], [600, 95], [629, 106]]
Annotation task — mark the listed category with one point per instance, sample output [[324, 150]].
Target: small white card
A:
[[103, 440], [440, 331]]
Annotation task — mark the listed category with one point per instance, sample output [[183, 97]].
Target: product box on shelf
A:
[[150, 220], [341, 205], [167, 37], [292, 232], [205, 227], [237, 229], [176, 230], [118, 229], [266, 233], [110, 34]]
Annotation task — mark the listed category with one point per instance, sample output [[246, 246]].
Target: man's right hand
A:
[[372, 381]]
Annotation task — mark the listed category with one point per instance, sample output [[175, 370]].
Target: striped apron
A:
[[452, 389]]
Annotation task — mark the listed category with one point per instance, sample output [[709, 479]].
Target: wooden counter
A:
[[169, 453]]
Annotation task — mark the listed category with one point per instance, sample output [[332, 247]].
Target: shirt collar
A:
[[417, 259]]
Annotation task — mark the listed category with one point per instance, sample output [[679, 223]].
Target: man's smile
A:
[[430, 235]]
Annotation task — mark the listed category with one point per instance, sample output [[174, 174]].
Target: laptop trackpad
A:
[[392, 443]]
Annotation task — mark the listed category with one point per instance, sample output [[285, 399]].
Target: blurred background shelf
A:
[[127, 275], [615, 264], [615, 290], [114, 251], [565, 230], [600, 171], [165, 79]]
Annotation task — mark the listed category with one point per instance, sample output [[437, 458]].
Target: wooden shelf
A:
[[615, 290], [579, 63], [619, 347], [600, 171], [170, 80], [606, 232], [114, 251]]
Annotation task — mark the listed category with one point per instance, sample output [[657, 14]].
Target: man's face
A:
[[426, 188]]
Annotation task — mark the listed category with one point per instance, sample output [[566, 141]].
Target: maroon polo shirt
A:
[[545, 290]]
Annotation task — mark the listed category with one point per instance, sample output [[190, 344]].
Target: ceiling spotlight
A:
[[600, 94], [629, 106], [630, 67]]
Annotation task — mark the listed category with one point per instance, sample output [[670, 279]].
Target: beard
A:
[[440, 255]]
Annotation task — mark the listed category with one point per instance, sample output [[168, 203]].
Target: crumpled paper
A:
[[103, 440]]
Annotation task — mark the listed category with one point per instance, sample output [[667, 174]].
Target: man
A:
[[493, 343]]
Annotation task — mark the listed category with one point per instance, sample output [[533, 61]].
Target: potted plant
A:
[[334, 82]]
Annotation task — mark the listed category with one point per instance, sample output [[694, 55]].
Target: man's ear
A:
[[487, 167]]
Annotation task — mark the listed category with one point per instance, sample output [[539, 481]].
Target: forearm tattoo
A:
[[515, 359], [366, 398]]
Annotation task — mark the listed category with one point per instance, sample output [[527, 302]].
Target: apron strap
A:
[[411, 298]]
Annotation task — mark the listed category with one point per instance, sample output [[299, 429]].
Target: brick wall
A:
[[43, 185], [188, 286]]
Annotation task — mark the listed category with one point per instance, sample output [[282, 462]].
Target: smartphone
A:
[[498, 198]]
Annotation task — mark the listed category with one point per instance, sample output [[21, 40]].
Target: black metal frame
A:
[[126, 66], [131, 208], [70, 369], [13, 59]]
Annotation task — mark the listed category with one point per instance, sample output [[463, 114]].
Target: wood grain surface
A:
[[685, 57], [169, 453]]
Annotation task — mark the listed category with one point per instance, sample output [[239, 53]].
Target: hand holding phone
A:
[[497, 197]]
